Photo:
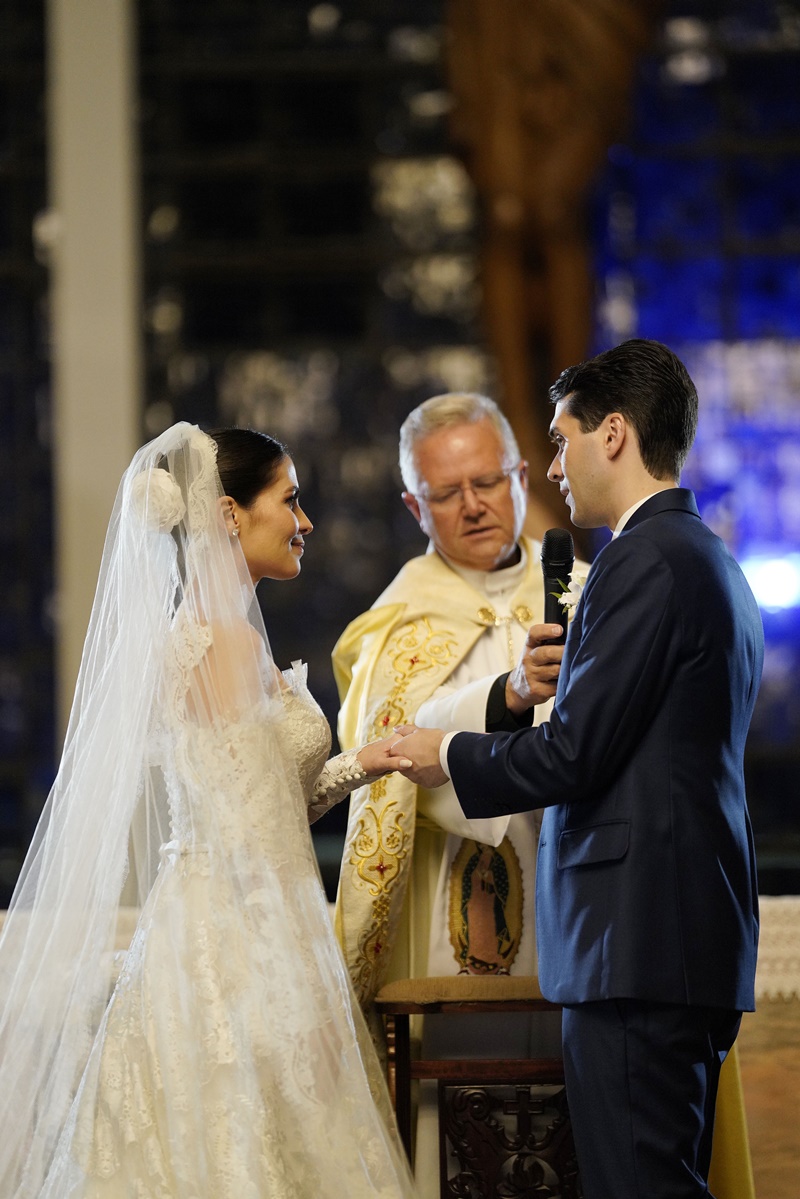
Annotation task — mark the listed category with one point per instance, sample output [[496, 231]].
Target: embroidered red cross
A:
[[413, 661]]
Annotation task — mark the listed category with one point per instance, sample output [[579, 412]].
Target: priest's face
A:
[[470, 500]]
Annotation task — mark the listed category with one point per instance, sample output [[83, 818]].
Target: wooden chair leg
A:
[[402, 1087]]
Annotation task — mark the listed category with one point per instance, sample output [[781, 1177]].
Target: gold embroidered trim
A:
[[381, 842], [380, 846], [415, 650], [488, 618]]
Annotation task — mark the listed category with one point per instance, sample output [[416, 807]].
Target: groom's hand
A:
[[533, 680], [416, 755]]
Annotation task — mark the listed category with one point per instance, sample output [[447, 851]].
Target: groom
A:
[[646, 897]]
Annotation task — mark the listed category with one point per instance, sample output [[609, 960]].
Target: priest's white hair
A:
[[441, 411]]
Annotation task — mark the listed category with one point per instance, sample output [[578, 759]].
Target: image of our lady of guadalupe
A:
[[485, 907]]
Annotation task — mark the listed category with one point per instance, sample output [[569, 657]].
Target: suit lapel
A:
[[672, 499]]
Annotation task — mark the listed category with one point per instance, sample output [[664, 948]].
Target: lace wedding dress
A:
[[226, 1058], [230, 1063]]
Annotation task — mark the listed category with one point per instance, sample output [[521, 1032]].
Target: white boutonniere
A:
[[570, 595]]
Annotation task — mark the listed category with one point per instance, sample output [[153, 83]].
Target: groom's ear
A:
[[615, 433]]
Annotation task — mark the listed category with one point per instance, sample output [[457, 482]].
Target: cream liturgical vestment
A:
[[423, 890]]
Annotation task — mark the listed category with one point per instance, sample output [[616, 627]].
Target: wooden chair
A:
[[453, 996]]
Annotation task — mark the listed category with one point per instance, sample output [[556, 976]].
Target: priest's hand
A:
[[533, 680], [416, 755]]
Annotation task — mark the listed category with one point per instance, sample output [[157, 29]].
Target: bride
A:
[[225, 1058]]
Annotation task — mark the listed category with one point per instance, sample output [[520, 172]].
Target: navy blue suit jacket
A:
[[646, 882]]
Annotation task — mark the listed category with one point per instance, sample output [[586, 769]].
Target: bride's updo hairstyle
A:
[[247, 462]]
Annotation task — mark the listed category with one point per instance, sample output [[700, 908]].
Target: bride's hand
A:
[[375, 758]]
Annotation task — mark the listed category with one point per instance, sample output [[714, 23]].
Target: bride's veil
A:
[[168, 557]]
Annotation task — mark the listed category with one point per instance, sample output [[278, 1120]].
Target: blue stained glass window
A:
[[671, 115], [768, 296], [684, 296], [677, 201], [697, 234], [745, 463], [767, 197]]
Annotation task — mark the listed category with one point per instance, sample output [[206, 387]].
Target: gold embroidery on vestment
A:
[[415, 650], [381, 842], [379, 846], [489, 618]]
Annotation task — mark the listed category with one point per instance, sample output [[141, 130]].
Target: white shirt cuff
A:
[[448, 737]]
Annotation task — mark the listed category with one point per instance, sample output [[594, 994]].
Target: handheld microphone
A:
[[558, 558]]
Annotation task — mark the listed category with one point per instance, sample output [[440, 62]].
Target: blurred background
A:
[[307, 218]]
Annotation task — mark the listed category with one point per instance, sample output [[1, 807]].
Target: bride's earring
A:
[[228, 515]]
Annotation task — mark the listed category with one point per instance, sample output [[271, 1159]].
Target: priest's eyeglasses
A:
[[487, 487]]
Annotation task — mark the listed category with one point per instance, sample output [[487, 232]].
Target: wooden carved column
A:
[[541, 89]]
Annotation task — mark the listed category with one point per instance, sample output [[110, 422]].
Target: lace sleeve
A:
[[339, 776]]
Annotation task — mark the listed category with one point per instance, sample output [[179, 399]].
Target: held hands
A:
[[533, 679], [389, 754], [376, 757], [416, 755]]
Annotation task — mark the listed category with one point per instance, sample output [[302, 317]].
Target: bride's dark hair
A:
[[247, 462]]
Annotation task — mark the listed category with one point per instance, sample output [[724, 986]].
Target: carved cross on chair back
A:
[[504, 1130]]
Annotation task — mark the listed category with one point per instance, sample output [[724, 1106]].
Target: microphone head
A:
[[558, 552]]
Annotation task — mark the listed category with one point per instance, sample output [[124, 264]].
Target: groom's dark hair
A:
[[652, 389]]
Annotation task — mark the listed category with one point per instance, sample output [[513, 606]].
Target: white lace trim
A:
[[778, 972], [340, 776]]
